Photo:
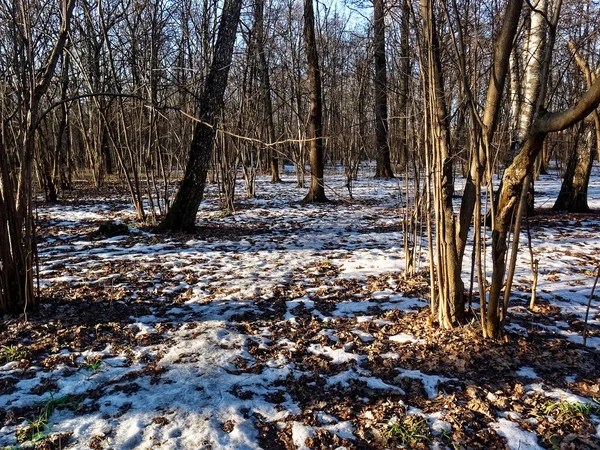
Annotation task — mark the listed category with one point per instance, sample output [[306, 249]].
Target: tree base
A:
[[312, 197]]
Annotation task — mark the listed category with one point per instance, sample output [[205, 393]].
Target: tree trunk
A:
[[512, 186], [534, 55], [265, 81], [403, 88], [17, 239], [449, 285], [384, 166], [574, 188], [573, 191], [182, 214], [502, 53], [316, 192]]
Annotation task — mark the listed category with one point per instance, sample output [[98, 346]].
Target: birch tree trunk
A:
[[534, 54]]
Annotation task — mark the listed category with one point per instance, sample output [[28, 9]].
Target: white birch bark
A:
[[533, 58]]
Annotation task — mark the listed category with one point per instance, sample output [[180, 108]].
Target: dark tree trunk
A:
[[316, 192], [384, 166], [53, 161], [573, 191], [107, 160], [265, 81], [182, 214], [404, 80]]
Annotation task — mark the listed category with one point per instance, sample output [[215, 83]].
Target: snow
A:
[[337, 356], [430, 382], [364, 336], [403, 338], [516, 438], [300, 433], [526, 372], [200, 287], [556, 393]]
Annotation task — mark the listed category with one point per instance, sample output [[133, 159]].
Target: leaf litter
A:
[[289, 326]]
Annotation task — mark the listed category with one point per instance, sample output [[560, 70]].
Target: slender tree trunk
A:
[[404, 80], [17, 237], [182, 214], [450, 288], [265, 81], [384, 166], [316, 192], [481, 161]]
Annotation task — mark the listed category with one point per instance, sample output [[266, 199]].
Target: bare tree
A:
[[182, 214], [384, 167], [316, 192], [573, 191], [35, 73]]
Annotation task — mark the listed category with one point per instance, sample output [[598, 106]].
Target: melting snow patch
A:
[[516, 438], [365, 337], [344, 378], [325, 418], [430, 382], [338, 356], [301, 432], [526, 372], [405, 337], [555, 393]]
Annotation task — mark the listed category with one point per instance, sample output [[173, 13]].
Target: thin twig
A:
[[587, 312]]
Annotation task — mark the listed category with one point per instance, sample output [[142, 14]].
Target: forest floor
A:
[[290, 326]]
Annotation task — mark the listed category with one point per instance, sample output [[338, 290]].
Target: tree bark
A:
[[265, 81], [574, 188], [403, 88], [316, 192], [449, 284], [384, 166], [512, 183], [182, 214]]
